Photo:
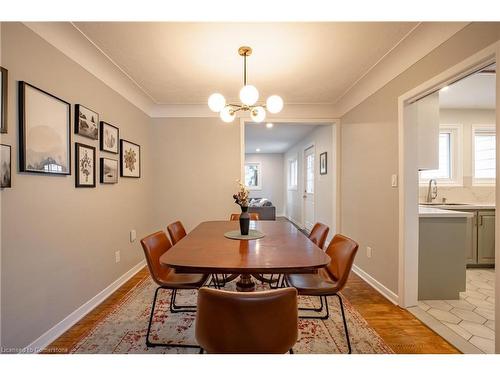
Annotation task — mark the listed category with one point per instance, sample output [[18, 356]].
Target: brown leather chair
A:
[[329, 280], [154, 246], [318, 234], [176, 231], [251, 322], [253, 216]]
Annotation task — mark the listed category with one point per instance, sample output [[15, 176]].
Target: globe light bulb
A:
[[269, 125], [249, 95], [227, 114], [216, 102], [258, 114], [274, 104]]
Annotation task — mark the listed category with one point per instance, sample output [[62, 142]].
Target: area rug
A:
[[124, 329]]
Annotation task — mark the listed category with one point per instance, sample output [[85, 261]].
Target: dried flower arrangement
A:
[[241, 197]]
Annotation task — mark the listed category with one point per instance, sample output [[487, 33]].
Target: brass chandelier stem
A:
[[244, 70]]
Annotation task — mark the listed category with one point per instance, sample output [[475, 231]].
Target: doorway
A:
[[309, 177]]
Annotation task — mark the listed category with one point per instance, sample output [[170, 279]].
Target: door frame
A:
[[408, 187], [335, 157], [304, 177]]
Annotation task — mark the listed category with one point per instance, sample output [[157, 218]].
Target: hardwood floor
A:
[[399, 328]]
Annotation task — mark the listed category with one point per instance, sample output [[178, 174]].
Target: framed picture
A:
[[109, 137], [86, 122], [253, 175], [109, 171], [130, 159], [3, 99], [322, 163], [44, 132], [85, 165], [5, 166]]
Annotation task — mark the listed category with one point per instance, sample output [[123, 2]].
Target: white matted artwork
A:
[[45, 132], [5, 166], [130, 159], [109, 171], [109, 138], [85, 165], [86, 122]]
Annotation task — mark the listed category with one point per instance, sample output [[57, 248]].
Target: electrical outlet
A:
[[394, 180], [117, 256], [369, 251], [133, 235]]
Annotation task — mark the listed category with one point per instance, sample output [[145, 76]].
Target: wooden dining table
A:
[[283, 249]]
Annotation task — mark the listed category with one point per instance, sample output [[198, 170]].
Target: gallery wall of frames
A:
[[46, 126]]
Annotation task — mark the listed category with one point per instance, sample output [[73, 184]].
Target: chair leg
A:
[[326, 316], [314, 308], [181, 308], [278, 281], [150, 344], [201, 350], [345, 323], [291, 350]]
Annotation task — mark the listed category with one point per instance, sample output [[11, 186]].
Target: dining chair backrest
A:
[[318, 234], [253, 322], [342, 251], [176, 231], [154, 246], [253, 216]]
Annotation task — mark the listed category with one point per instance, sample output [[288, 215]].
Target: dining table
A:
[[283, 249]]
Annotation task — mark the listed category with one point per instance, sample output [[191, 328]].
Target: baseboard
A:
[[379, 287], [295, 222], [45, 339]]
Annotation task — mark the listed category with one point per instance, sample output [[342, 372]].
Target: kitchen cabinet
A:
[[486, 237]]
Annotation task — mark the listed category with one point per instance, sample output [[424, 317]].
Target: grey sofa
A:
[[266, 211]]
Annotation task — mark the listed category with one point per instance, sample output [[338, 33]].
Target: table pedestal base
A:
[[245, 284]]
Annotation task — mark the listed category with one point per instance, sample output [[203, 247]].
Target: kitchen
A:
[[457, 214]]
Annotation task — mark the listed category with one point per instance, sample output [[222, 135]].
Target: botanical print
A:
[[85, 165], [5, 166], [109, 138], [45, 131], [86, 122], [109, 171], [130, 159]]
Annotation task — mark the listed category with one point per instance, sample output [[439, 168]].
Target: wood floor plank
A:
[[398, 328]]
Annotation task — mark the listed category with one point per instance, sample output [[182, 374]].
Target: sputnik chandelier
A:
[[249, 95]]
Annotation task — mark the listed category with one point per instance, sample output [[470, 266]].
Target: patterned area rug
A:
[[124, 329]]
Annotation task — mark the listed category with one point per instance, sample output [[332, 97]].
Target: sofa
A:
[[263, 207]]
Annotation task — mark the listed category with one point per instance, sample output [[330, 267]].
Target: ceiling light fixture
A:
[[257, 149], [446, 88], [269, 125], [249, 95]]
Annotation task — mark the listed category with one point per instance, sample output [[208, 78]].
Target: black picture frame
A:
[[123, 169], [102, 138], [23, 107], [81, 113], [6, 182], [4, 79], [102, 170], [323, 163], [78, 182]]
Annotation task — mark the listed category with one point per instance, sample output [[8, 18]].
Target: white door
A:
[[308, 188]]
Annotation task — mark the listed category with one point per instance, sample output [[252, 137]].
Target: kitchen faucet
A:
[[432, 191]]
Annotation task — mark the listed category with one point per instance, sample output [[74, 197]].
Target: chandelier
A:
[[249, 95]]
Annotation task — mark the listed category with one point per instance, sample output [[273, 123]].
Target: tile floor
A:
[[472, 316]]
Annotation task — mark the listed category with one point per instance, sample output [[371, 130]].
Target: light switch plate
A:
[[117, 256], [369, 251], [394, 180], [133, 235]]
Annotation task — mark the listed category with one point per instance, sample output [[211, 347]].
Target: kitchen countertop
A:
[[465, 206], [426, 211]]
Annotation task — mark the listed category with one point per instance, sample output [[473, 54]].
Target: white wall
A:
[[322, 138], [271, 179], [468, 193]]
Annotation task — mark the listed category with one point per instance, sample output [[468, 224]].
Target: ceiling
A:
[[476, 91], [183, 63], [276, 140]]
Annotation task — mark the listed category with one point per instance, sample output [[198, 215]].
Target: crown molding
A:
[[71, 42], [424, 38]]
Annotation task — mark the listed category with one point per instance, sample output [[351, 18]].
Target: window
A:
[[292, 174], [449, 171], [484, 149], [253, 176]]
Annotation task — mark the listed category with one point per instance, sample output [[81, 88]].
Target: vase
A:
[[244, 221]]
